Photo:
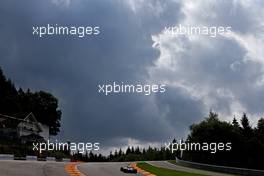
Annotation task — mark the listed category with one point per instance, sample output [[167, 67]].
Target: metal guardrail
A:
[[225, 169]]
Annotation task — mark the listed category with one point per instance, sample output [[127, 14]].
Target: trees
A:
[[260, 130], [210, 130], [235, 123], [8, 95], [247, 143], [246, 128], [43, 104]]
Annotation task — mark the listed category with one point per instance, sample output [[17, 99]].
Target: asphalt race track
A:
[[47, 168], [32, 168], [103, 169]]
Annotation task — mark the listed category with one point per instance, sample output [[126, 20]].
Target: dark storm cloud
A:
[[71, 68], [201, 74], [180, 110], [156, 14]]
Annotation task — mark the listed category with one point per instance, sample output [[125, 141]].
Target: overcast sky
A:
[[225, 73]]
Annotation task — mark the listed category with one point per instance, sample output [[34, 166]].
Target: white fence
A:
[[225, 169]]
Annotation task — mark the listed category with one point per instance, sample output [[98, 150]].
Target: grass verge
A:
[[162, 171]]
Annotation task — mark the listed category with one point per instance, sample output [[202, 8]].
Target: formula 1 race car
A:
[[128, 169]]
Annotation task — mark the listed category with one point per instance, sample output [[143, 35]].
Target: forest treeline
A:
[[247, 142], [247, 145], [19, 103]]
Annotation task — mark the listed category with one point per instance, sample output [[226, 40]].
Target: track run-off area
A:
[[50, 168]]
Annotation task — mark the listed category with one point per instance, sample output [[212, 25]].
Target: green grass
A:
[[162, 171]]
